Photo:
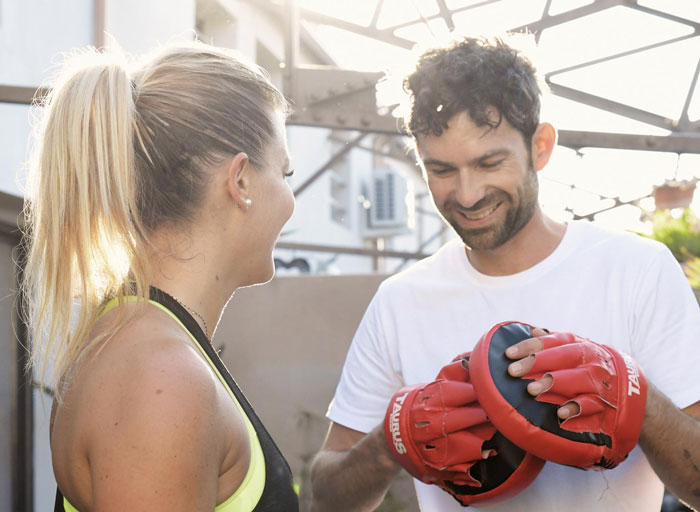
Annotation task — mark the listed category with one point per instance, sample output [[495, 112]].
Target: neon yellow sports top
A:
[[248, 494]]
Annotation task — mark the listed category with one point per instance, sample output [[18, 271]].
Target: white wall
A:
[[138, 25], [14, 139], [33, 31]]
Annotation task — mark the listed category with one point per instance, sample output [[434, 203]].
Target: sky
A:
[[656, 80]]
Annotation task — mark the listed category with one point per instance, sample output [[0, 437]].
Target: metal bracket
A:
[[341, 99]]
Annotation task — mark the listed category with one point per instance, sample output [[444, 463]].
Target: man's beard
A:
[[520, 210]]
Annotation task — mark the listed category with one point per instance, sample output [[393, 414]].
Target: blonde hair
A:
[[117, 155]]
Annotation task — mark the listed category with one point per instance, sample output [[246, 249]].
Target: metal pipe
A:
[[340, 154], [20, 95], [98, 36], [23, 427], [291, 46], [358, 251]]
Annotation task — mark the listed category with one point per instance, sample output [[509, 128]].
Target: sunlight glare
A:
[[617, 29], [435, 29], [683, 8], [560, 6], [354, 51], [694, 107], [688, 167], [659, 86], [498, 17], [626, 217], [358, 12], [397, 12], [566, 114]]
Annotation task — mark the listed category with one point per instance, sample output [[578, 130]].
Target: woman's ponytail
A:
[[81, 208]]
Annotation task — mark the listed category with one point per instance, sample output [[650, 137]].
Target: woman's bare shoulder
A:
[[150, 362], [146, 405]]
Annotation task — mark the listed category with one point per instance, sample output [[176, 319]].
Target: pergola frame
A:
[[343, 99], [336, 98]]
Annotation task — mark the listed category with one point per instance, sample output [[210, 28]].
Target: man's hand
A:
[[603, 392], [524, 353], [440, 434]]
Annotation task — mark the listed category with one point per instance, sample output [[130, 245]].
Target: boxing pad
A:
[[608, 386], [440, 434]]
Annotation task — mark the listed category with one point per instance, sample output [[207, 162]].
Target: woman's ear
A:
[[543, 142], [238, 180]]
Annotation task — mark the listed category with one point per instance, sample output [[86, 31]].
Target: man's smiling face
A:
[[482, 180]]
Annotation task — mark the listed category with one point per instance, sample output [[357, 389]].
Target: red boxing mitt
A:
[[608, 386], [438, 432]]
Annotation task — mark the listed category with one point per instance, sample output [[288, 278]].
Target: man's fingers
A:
[[524, 349], [568, 410], [520, 368], [539, 386], [528, 346], [525, 352]]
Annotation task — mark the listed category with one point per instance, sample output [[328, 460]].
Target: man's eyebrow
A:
[[436, 162], [493, 153], [480, 159]]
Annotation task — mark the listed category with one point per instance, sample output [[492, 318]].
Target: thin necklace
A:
[[193, 312]]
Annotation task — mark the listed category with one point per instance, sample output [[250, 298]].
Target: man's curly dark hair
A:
[[473, 74]]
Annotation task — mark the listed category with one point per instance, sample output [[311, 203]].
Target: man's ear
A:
[[238, 179], [543, 142]]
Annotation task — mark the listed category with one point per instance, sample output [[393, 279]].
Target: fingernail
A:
[[512, 351], [515, 367], [535, 387]]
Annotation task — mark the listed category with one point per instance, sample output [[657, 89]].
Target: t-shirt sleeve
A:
[[666, 332], [371, 374]]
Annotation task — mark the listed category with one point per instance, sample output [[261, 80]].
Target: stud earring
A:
[[248, 202]]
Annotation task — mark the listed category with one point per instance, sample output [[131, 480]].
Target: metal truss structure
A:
[[326, 96], [337, 98]]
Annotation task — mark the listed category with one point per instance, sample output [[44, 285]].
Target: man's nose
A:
[[470, 188]]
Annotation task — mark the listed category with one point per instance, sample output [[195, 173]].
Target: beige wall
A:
[[285, 344]]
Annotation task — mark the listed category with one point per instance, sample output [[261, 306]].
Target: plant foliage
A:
[[681, 234]]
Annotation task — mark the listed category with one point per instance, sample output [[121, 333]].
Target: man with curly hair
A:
[[474, 117]]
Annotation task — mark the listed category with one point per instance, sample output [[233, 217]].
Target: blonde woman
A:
[[158, 189]]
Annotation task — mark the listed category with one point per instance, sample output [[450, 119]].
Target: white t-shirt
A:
[[617, 289]]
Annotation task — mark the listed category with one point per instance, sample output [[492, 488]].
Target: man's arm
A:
[[670, 439], [352, 471]]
